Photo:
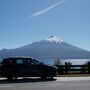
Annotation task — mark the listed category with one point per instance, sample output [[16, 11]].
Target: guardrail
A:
[[73, 69]]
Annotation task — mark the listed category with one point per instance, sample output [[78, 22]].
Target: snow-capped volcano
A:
[[52, 47], [54, 39]]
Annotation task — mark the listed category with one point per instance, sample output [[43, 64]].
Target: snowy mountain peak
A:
[[55, 39]]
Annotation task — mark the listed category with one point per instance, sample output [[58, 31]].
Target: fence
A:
[[73, 69]]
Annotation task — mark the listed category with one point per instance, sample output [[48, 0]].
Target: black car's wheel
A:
[[9, 77], [47, 74], [51, 77], [43, 77], [16, 77], [47, 77]]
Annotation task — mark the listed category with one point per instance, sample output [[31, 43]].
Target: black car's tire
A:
[[16, 77], [47, 75], [43, 77], [51, 77], [9, 77]]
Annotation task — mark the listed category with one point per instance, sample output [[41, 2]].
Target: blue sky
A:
[[25, 21]]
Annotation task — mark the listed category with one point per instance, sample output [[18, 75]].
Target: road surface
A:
[[59, 83]]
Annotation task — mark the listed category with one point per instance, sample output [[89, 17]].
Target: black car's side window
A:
[[25, 61], [19, 61]]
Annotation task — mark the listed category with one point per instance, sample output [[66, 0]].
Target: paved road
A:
[[63, 83]]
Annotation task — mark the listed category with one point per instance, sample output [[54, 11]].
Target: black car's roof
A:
[[17, 57]]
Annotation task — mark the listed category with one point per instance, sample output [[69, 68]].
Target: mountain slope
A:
[[52, 47]]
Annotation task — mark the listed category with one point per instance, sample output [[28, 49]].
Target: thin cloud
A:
[[47, 9]]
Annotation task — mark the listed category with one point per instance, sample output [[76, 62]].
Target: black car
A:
[[14, 67]]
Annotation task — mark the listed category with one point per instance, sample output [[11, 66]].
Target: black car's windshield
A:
[[35, 62]]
